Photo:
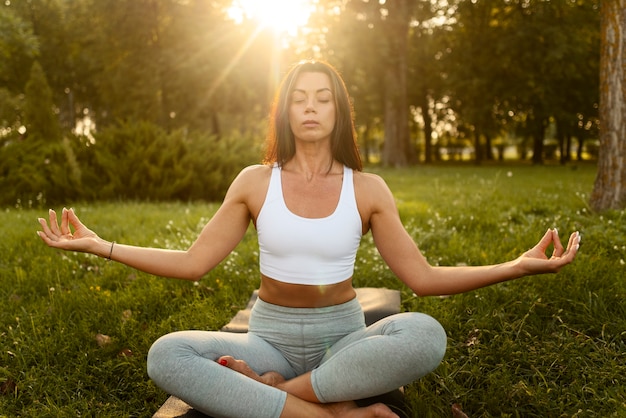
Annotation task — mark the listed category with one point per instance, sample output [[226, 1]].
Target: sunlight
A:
[[281, 16]]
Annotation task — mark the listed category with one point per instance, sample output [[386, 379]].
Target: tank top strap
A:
[[275, 187], [347, 197]]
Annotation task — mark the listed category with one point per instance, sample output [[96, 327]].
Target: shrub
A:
[[137, 161]]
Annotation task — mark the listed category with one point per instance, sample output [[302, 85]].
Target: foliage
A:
[[187, 65], [545, 346], [18, 47], [40, 120], [31, 171], [142, 161], [10, 114], [542, 65], [138, 161]]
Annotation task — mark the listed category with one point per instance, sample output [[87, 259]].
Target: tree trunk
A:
[[568, 148], [428, 128], [396, 125], [478, 148], [538, 136], [366, 143], [609, 191], [579, 148], [564, 141], [396, 148], [488, 148]]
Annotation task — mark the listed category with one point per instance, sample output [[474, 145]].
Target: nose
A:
[[310, 106]]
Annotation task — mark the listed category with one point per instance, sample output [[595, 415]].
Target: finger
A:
[[574, 242], [74, 221], [558, 247], [54, 223], [44, 226], [44, 237], [572, 248], [545, 241], [65, 229]]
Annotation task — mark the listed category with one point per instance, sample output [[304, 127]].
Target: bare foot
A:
[[340, 409], [351, 410], [240, 366]]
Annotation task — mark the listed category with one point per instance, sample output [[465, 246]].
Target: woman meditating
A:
[[308, 352]]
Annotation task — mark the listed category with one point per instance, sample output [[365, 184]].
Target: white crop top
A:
[[309, 251]]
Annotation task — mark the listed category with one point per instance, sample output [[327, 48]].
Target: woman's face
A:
[[312, 107]]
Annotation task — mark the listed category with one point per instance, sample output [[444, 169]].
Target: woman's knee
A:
[[430, 336], [162, 356]]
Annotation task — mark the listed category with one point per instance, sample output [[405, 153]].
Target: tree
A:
[[18, 48], [575, 82], [479, 74], [188, 65], [428, 74], [350, 37], [609, 190], [396, 150], [372, 39], [39, 116], [540, 68]]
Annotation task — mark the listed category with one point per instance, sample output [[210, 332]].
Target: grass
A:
[[546, 346]]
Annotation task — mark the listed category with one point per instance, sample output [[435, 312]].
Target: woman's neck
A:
[[313, 166]]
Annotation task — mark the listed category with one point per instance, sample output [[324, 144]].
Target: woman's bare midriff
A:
[[305, 296]]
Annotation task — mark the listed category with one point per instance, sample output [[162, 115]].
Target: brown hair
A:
[[280, 142]]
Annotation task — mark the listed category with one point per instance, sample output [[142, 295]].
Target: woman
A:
[[307, 352]]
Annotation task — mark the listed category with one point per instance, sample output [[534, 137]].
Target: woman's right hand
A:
[[82, 239]]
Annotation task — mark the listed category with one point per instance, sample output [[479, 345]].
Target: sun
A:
[[281, 16]]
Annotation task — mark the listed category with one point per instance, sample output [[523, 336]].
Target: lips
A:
[[310, 123]]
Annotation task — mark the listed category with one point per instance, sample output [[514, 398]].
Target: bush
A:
[[138, 161], [31, 171]]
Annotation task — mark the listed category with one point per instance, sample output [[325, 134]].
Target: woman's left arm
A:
[[406, 261]]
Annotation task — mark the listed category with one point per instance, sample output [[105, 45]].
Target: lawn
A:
[[75, 329]]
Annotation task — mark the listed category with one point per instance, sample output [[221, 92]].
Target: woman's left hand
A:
[[536, 260]]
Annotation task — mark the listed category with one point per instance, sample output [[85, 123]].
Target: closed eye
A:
[[298, 97], [324, 97]]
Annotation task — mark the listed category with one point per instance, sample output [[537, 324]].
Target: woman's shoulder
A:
[[372, 193], [250, 186], [369, 181], [257, 168], [254, 174]]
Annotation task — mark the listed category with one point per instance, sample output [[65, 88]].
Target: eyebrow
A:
[[317, 91]]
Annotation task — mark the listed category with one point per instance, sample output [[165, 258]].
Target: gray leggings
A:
[[348, 360]]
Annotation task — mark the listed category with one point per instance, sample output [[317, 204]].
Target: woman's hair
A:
[[280, 143]]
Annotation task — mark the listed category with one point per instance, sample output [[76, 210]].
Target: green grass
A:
[[546, 346]]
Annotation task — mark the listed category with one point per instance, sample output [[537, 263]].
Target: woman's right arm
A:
[[217, 239]]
